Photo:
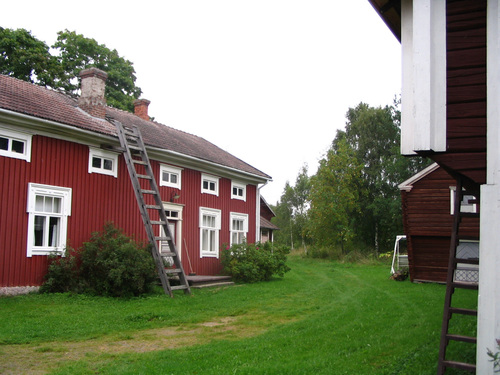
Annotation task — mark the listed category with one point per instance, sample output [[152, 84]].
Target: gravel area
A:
[[16, 290]]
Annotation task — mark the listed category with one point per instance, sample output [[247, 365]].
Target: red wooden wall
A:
[[428, 224], [97, 199]]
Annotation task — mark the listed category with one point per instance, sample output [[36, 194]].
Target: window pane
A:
[[4, 143], [212, 186], [96, 162], [39, 203], [47, 207], [18, 146], [212, 241], [108, 164], [57, 205], [205, 185], [173, 178], [204, 239], [165, 176], [54, 231], [39, 230]]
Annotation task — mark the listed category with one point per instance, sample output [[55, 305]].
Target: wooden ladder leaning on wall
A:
[[139, 168], [451, 286]]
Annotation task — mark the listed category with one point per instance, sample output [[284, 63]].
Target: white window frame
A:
[[465, 206], [19, 137], [210, 231], [243, 231], [210, 179], [238, 186], [171, 171], [103, 154], [48, 191]]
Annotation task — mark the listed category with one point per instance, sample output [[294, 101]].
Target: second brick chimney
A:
[[141, 108], [92, 99]]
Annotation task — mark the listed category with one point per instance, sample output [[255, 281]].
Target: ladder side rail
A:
[[449, 279], [143, 210]]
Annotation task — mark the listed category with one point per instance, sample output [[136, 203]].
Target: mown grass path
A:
[[322, 318]]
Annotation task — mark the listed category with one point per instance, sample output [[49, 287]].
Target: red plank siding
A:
[[97, 199]]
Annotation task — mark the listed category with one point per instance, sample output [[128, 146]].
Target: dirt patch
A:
[[39, 359]]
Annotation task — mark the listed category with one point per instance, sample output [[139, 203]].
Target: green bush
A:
[[110, 264], [255, 262]]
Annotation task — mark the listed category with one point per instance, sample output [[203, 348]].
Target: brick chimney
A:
[[141, 108], [93, 84]]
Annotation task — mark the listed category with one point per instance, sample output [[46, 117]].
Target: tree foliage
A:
[[27, 58], [335, 195]]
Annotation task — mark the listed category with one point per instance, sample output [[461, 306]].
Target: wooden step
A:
[[168, 254], [141, 162], [460, 365], [173, 270], [144, 176], [145, 191], [152, 206]]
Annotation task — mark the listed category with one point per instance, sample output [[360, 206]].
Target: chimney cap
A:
[[93, 72]]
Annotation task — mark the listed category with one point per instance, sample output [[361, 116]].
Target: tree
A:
[[25, 57], [75, 53], [291, 211], [374, 136], [335, 195]]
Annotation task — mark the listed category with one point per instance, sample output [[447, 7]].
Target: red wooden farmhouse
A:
[[450, 113], [63, 178]]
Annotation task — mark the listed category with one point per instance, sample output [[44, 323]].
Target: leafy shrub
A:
[[255, 262], [110, 264]]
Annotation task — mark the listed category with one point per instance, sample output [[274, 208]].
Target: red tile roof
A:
[[29, 99]]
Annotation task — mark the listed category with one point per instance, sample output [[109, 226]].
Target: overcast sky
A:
[[269, 81]]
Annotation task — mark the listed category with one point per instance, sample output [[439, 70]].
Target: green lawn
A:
[[321, 318]]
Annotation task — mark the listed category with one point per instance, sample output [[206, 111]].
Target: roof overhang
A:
[[390, 12]]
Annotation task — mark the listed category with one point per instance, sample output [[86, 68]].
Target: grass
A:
[[323, 317]]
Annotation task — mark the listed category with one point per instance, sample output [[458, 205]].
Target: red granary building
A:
[[61, 180]]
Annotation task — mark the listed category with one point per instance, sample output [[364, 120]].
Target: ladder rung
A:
[[144, 191], [467, 260], [460, 365], [168, 254], [179, 287], [135, 148], [141, 162], [173, 270], [162, 238], [469, 339], [152, 206], [458, 310], [145, 176], [464, 285], [156, 222]]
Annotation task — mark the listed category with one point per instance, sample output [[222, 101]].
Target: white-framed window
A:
[[238, 227], [209, 184], [102, 161], [170, 176], [238, 191], [15, 145], [48, 211], [466, 205], [210, 224]]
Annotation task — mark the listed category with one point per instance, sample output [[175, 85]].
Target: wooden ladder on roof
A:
[[149, 201], [451, 286]]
